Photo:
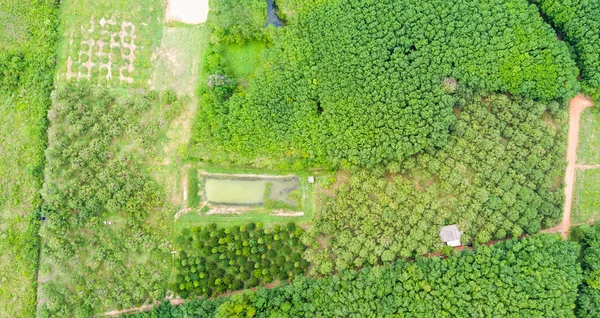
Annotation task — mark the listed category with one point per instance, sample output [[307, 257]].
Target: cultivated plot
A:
[[109, 43]]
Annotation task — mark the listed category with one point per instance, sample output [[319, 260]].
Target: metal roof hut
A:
[[451, 235]]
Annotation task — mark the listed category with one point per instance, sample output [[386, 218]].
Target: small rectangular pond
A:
[[240, 190]]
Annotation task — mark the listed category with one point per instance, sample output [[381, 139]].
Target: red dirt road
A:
[[577, 105]]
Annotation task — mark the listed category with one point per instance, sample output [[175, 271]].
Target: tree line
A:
[[577, 21], [534, 277]]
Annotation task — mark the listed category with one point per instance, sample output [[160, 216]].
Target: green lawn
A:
[[586, 205], [243, 59], [589, 137]]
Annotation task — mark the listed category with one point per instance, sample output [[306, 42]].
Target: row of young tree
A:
[[577, 21], [105, 215], [370, 82], [498, 176], [533, 277], [213, 261]]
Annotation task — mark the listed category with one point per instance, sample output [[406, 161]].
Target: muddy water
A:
[[248, 192], [272, 18]]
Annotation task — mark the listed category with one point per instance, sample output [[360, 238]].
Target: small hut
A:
[[451, 235]]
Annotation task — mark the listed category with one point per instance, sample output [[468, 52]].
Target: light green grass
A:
[[179, 59], [21, 148], [78, 17], [26, 47], [586, 205], [243, 59], [589, 137]]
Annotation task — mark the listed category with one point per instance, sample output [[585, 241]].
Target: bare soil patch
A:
[[287, 213], [187, 11]]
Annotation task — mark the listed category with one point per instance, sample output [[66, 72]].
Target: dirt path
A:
[[248, 175], [577, 105]]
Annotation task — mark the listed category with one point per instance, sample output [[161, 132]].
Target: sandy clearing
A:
[[187, 11]]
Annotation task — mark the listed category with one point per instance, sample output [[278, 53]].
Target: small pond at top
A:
[[249, 191]]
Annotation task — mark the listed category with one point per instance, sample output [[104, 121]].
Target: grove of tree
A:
[[365, 83], [532, 277]]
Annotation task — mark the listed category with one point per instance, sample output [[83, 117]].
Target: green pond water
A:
[[248, 192]]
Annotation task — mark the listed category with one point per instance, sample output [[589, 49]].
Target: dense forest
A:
[[532, 277], [588, 300], [105, 225], [577, 21], [364, 83], [498, 176], [27, 53]]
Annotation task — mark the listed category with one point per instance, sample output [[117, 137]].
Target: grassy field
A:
[[589, 137], [178, 61], [27, 44], [243, 59], [587, 194]]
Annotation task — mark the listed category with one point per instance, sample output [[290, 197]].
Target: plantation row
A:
[[105, 215], [214, 260], [532, 277], [495, 178]]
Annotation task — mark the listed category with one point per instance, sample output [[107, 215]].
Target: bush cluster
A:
[[93, 174], [214, 260]]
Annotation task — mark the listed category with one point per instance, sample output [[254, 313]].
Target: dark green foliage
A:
[[496, 177], [578, 22], [588, 301], [237, 20], [214, 261], [532, 277], [370, 82]]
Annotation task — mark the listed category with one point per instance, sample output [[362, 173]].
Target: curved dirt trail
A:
[[577, 105]]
